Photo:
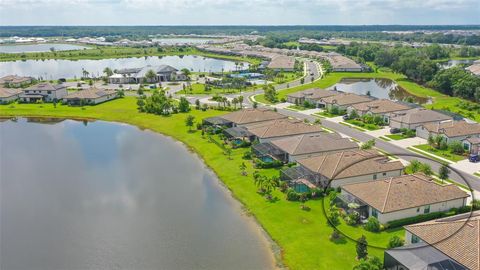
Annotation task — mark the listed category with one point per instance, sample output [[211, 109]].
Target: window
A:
[[426, 210], [384, 174], [49, 92], [466, 146], [418, 209], [415, 239], [374, 177], [374, 213]]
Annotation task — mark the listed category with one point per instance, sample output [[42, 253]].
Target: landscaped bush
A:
[[416, 219], [372, 225], [292, 195], [353, 218], [395, 241], [456, 147], [267, 165]]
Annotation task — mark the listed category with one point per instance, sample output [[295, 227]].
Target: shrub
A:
[[267, 165], [395, 241], [335, 235], [292, 195], [353, 218], [372, 225], [416, 219], [456, 147]]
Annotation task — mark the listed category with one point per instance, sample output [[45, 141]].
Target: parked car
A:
[[346, 117], [395, 130], [474, 158]]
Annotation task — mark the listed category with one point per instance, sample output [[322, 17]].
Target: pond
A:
[[454, 63], [98, 195], [43, 47], [379, 88], [182, 41], [57, 68]]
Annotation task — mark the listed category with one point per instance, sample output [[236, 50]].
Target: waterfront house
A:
[[342, 63], [282, 63], [379, 107], [310, 95], [446, 243], [244, 117], [342, 101], [90, 96], [414, 118], [450, 130], [46, 92], [293, 148], [8, 95], [138, 75], [282, 128], [341, 168], [403, 197], [15, 81]]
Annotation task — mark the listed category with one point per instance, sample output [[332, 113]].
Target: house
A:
[[403, 197], [293, 148], [139, 75], [282, 128], [341, 168], [90, 96], [474, 69], [310, 95], [46, 92], [282, 63], [341, 63], [15, 81], [379, 107], [446, 243], [450, 130], [244, 117], [8, 95], [472, 145], [414, 118], [342, 101]]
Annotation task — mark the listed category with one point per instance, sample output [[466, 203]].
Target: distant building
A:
[[8, 95], [282, 63], [474, 69], [90, 96], [138, 75], [46, 92], [15, 81]]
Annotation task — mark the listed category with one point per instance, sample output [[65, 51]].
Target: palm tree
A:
[[240, 100], [85, 73], [269, 184], [150, 75], [234, 102], [108, 72]]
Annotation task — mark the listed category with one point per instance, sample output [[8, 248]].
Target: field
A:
[[303, 236]]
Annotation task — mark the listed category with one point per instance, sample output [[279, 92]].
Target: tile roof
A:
[[380, 106], [350, 163], [454, 128], [9, 92], [420, 115], [90, 93], [475, 69], [404, 192], [307, 144], [457, 237], [14, 79], [345, 99], [282, 62], [46, 87], [314, 93], [284, 127], [247, 116], [473, 140]]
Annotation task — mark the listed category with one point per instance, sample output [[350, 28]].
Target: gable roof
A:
[[247, 116], [350, 163], [403, 192], [14, 79], [454, 128], [307, 144], [46, 87], [282, 62], [458, 237], [380, 106], [420, 115], [346, 99], [90, 93], [9, 92], [284, 127]]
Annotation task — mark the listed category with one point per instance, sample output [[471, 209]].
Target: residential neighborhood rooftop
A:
[[282, 62], [350, 163], [305, 144], [9, 92], [403, 192], [346, 99], [420, 115], [246, 116], [379, 106], [90, 93], [46, 87], [284, 127], [14, 79], [454, 128]]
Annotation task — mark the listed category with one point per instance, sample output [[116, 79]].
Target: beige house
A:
[[403, 197], [282, 128], [45, 92], [347, 167], [310, 95], [379, 107], [282, 63], [8, 95], [414, 118], [15, 81], [451, 130], [342, 101], [249, 116], [90, 96]]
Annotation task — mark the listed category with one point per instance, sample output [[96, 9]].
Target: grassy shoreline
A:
[[303, 236]]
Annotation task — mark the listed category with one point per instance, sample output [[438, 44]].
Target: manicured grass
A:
[[353, 126], [441, 153], [199, 89], [297, 108], [397, 137], [363, 125], [325, 114], [302, 235]]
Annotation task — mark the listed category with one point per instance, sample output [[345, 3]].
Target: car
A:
[[395, 130], [346, 117], [474, 158]]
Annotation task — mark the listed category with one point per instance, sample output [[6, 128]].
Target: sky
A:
[[238, 12]]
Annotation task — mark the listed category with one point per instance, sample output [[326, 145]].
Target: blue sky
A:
[[237, 12]]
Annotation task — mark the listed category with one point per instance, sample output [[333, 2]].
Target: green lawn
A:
[[302, 235], [441, 153], [297, 108], [199, 89], [397, 137], [361, 124]]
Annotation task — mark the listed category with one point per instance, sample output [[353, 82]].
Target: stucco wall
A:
[[364, 178]]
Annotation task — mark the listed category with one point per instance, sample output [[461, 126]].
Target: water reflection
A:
[[45, 47], [107, 196], [379, 88]]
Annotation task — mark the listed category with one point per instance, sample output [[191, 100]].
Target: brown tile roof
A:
[[457, 237], [340, 61], [454, 128], [284, 127], [247, 116], [282, 62], [314, 93], [403, 192], [473, 140], [46, 87], [308, 144], [9, 92], [350, 163], [14, 79], [91, 93], [380, 106], [345, 99], [475, 69], [420, 115]]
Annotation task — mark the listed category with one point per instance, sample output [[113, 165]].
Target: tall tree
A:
[[361, 248]]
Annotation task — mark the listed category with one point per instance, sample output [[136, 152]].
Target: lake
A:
[[59, 68], [454, 63], [99, 195], [379, 88], [43, 47]]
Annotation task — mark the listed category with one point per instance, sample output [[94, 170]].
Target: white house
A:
[[450, 130], [45, 92], [8, 95], [138, 75], [90, 96]]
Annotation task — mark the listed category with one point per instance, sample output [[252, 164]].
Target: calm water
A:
[[174, 41], [54, 69], [109, 196], [44, 47], [454, 63], [379, 88]]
